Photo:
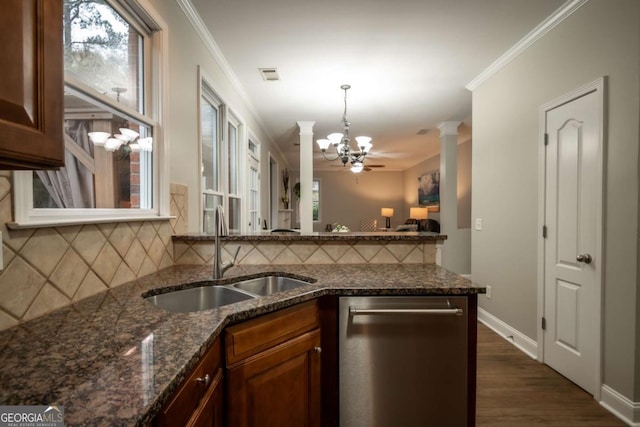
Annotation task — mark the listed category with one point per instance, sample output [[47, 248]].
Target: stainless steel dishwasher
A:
[[403, 361]]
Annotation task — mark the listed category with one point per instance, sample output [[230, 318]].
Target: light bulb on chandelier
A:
[[342, 143], [125, 137]]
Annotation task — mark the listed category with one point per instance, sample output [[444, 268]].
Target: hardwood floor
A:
[[515, 390]]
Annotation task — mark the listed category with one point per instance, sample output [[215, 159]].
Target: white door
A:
[[571, 248]]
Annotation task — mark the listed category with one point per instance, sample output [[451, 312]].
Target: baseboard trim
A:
[[623, 408], [515, 337]]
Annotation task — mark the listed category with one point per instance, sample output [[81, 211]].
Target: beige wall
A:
[[597, 40], [464, 184], [346, 198]]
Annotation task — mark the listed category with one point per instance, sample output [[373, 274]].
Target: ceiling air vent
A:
[[269, 74]]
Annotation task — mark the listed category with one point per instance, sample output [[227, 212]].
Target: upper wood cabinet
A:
[[31, 87]]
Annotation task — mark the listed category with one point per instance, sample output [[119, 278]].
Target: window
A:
[[253, 185], [210, 142], [315, 199], [221, 154], [234, 167], [109, 88]]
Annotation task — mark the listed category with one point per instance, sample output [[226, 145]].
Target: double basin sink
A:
[[210, 296]]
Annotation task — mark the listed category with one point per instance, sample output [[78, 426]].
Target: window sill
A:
[[60, 222]]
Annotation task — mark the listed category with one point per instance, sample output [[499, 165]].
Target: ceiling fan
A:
[[367, 168]]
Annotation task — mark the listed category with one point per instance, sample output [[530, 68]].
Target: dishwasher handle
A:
[[355, 311]]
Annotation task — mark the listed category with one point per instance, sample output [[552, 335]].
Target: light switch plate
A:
[[478, 224]]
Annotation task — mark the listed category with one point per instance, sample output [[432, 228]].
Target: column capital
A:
[[448, 128], [306, 128]]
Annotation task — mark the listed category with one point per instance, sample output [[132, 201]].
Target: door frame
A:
[[599, 86]]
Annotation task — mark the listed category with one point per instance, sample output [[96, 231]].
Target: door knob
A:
[[586, 258]]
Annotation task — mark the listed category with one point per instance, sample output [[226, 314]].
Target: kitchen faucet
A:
[[221, 231]]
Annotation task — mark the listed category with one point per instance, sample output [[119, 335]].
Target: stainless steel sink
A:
[[210, 296], [268, 285], [198, 299]]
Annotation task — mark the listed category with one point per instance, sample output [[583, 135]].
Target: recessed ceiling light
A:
[[269, 74]]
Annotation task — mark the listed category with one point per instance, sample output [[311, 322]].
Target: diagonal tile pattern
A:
[[49, 268], [305, 252]]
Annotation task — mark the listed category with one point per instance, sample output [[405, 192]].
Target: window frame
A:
[[253, 159], [227, 118], [207, 93], [154, 30]]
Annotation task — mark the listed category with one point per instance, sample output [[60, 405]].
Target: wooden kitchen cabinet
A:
[[31, 88], [199, 400], [273, 369]]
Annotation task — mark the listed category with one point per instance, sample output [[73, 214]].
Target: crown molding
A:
[[211, 45], [537, 33]]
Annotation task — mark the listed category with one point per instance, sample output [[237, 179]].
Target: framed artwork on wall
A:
[[429, 190]]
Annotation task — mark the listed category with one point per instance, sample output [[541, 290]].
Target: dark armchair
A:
[[425, 224]]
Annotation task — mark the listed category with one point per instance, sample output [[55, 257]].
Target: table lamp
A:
[[418, 214], [387, 213]]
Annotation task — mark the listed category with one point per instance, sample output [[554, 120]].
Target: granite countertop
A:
[[422, 236], [114, 359]]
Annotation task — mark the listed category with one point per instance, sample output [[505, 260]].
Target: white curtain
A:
[[72, 185]]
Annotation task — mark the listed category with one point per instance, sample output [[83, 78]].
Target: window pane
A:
[[234, 213], [315, 200], [103, 50], [210, 203], [233, 159], [209, 142], [92, 176], [253, 196]]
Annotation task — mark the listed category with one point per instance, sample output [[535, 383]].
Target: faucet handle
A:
[[228, 265], [235, 256]]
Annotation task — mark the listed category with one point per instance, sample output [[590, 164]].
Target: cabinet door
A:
[[278, 387], [210, 412], [31, 87], [199, 397]]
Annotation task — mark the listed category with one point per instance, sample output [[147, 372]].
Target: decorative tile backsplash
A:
[[49, 268], [309, 252]]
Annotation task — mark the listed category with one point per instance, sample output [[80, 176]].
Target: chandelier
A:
[[126, 138], [342, 143]]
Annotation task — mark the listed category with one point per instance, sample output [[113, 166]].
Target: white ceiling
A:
[[407, 62]]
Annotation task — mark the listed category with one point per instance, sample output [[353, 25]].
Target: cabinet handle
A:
[[206, 380], [317, 349], [354, 311]]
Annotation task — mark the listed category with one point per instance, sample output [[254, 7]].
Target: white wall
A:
[[600, 39], [186, 52]]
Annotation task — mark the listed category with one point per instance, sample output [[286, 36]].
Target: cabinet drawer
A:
[[187, 398], [253, 336]]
